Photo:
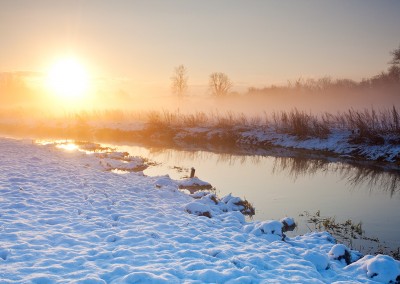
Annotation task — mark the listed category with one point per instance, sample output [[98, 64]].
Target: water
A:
[[289, 186]]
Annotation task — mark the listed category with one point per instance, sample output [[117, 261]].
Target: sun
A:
[[68, 78]]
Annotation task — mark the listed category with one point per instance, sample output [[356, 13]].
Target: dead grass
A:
[[371, 126], [248, 208], [301, 124]]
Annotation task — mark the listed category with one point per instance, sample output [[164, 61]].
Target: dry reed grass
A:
[[367, 126]]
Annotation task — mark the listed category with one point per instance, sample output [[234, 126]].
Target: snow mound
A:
[[270, 230], [383, 268], [199, 209], [288, 224], [164, 181], [207, 204], [194, 183], [318, 259], [120, 161], [340, 252]]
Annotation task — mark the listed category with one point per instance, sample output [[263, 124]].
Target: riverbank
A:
[[65, 219], [353, 135], [338, 144]]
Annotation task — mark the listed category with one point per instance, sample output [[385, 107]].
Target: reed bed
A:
[[365, 123], [366, 126]]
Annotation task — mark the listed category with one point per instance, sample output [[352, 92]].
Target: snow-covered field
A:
[[65, 219]]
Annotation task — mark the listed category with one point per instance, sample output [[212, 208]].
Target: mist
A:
[[22, 100]]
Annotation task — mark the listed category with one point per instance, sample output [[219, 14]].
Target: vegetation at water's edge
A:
[[361, 128], [368, 125], [348, 232]]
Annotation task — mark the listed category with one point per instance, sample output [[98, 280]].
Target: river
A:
[[357, 203], [297, 187]]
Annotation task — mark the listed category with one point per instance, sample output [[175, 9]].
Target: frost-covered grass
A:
[[64, 218]]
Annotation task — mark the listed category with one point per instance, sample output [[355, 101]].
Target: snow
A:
[[270, 227], [338, 251], [318, 259], [336, 142], [194, 182], [209, 205], [64, 218], [341, 253], [382, 268], [288, 221]]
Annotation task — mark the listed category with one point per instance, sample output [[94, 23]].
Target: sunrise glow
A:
[[68, 79]]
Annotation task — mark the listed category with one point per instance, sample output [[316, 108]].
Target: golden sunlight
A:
[[68, 79], [68, 146]]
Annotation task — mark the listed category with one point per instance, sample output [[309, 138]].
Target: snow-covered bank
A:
[[64, 218], [339, 142]]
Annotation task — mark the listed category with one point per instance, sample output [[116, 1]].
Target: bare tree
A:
[[394, 69], [179, 81], [219, 84], [396, 56]]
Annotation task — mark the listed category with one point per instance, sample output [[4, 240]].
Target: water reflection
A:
[[367, 175], [221, 158], [295, 167], [386, 181], [371, 177]]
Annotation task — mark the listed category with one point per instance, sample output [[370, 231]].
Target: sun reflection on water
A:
[[68, 146]]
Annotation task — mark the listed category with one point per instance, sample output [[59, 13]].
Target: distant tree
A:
[[396, 57], [179, 81], [394, 69], [219, 84]]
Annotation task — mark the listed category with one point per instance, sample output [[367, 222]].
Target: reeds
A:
[[366, 126], [371, 124], [301, 124]]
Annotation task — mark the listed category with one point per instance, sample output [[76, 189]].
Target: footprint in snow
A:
[[154, 236], [115, 217], [4, 254]]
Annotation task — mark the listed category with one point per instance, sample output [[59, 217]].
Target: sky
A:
[[135, 45]]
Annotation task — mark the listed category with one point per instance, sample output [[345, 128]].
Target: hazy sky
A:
[[256, 43]]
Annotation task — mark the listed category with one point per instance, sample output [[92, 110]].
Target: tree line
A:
[[219, 83]]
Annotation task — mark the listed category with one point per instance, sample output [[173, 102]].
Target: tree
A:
[[394, 69], [396, 57], [219, 84], [179, 81]]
